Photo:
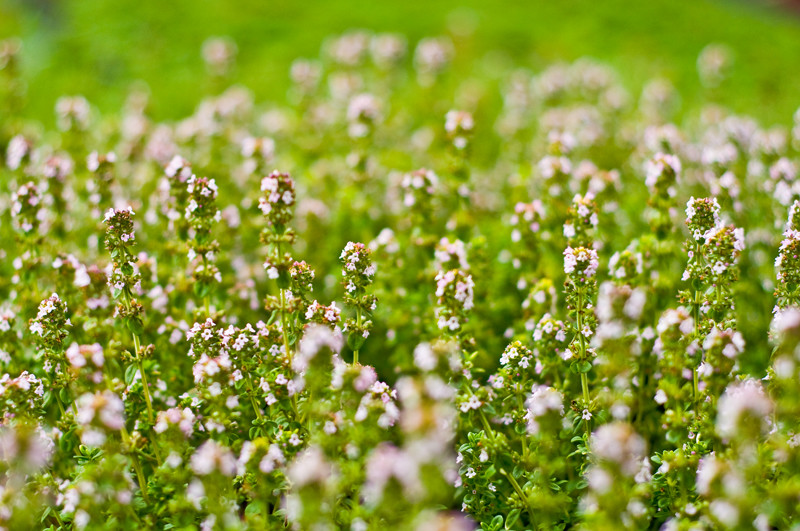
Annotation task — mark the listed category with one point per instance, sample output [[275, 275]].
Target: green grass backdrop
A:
[[98, 48]]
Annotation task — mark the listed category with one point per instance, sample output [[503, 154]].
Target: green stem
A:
[[358, 327], [486, 427], [137, 465], [520, 493], [585, 388], [282, 298], [252, 396], [523, 440], [696, 314], [582, 356], [640, 399], [136, 349], [58, 518], [206, 302], [145, 386], [579, 319], [140, 476], [156, 451], [285, 326], [60, 405]]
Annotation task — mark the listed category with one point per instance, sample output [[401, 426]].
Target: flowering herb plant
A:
[[443, 311]]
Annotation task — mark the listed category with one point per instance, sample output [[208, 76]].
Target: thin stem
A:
[[288, 350], [206, 297], [579, 318], [58, 518], [523, 440], [150, 415], [358, 327], [137, 465], [520, 493], [696, 315], [582, 357], [585, 388], [145, 385], [284, 325], [148, 401], [60, 405], [156, 451], [487, 428], [252, 396], [284, 333], [283, 308], [140, 476], [640, 399], [137, 348]]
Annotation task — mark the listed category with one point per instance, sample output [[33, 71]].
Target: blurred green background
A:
[[98, 48]]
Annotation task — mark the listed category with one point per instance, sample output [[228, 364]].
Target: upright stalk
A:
[[283, 311], [357, 275], [250, 387], [582, 356], [206, 297], [137, 465], [137, 356], [696, 315], [358, 322]]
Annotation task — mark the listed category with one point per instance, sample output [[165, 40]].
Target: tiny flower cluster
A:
[[217, 394], [454, 292]]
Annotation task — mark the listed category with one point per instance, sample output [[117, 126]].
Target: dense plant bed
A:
[[517, 300]]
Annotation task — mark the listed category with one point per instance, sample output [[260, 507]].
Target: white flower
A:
[[747, 396], [618, 442], [36, 328], [661, 397]]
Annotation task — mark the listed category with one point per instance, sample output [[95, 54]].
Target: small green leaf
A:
[[673, 436], [135, 325], [201, 289], [512, 518], [355, 340], [63, 394], [130, 374], [254, 508]]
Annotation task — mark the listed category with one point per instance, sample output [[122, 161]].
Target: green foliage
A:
[[469, 298]]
